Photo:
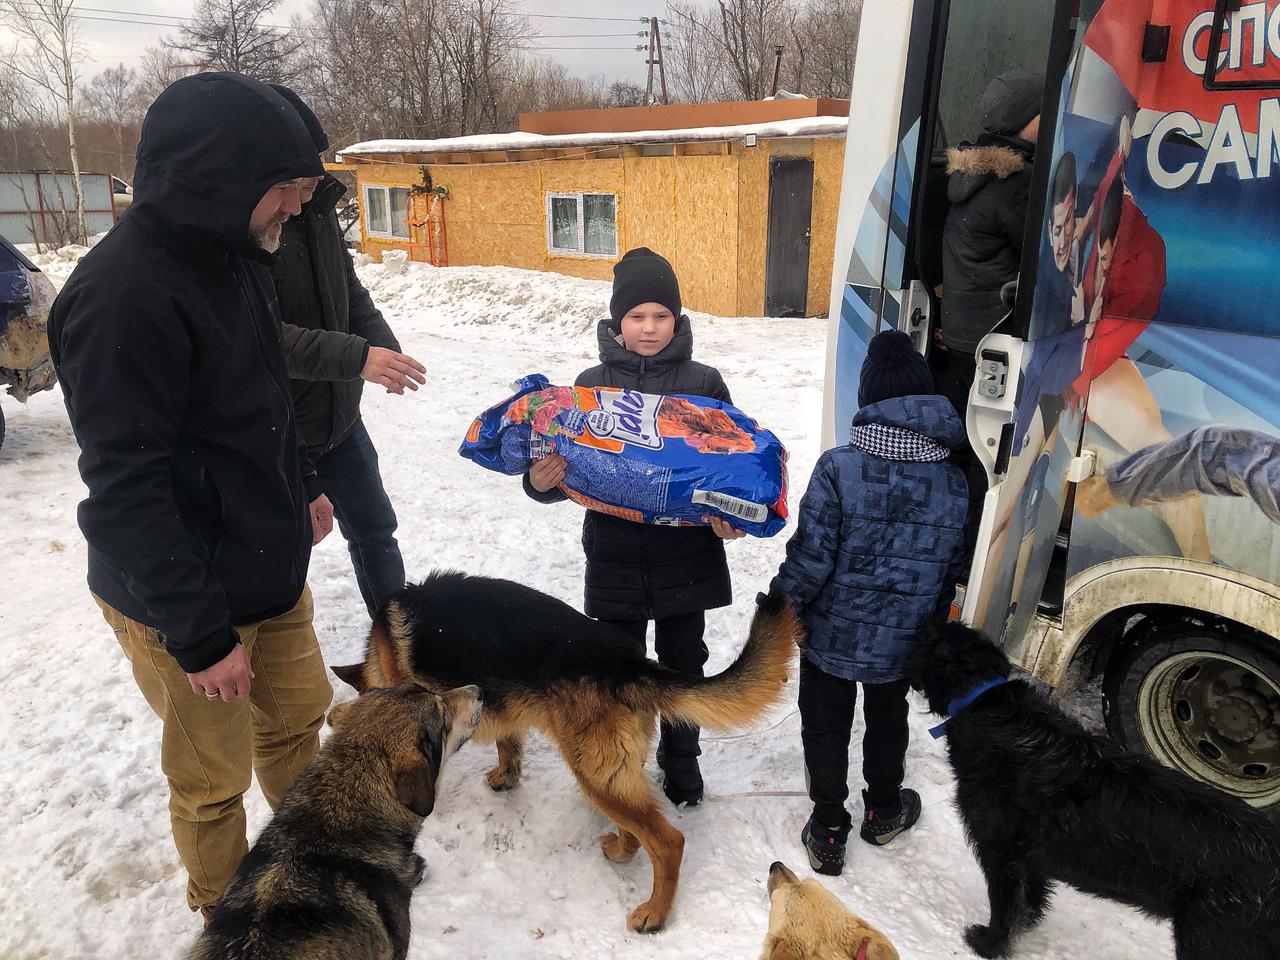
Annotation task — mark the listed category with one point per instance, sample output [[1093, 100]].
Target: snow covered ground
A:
[[89, 869]]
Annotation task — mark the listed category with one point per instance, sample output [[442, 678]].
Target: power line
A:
[[563, 16]]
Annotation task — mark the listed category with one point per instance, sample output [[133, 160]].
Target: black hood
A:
[[615, 354], [212, 145]]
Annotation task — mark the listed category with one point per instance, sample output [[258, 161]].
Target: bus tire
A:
[[1203, 700], [1, 426]]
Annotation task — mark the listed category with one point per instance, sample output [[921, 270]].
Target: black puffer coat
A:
[[167, 344], [639, 571], [329, 321], [982, 242]]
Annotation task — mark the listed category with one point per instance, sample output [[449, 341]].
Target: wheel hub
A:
[[1240, 715], [1217, 718]]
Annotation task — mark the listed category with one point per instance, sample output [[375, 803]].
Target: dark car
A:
[[25, 297]]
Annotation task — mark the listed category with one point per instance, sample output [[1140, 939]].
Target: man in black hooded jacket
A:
[[198, 519], [335, 339]]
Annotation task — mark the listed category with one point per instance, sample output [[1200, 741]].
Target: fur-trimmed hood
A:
[[971, 166]]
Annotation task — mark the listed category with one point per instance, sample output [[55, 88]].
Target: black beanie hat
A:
[[893, 368], [318, 136], [642, 276], [1011, 101]]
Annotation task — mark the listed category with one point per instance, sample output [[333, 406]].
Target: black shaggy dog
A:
[[1043, 801]]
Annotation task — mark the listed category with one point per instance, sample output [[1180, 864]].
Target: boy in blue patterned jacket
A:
[[879, 542]]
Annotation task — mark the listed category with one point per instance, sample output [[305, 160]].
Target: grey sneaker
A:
[[880, 825]]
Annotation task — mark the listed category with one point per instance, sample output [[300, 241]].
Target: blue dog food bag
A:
[[667, 460]]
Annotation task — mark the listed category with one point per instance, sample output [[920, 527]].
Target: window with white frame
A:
[[582, 224], [386, 211]]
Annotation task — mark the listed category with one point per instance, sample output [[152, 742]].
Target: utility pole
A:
[[662, 69], [777, 68], [653, 59], [649, 59]]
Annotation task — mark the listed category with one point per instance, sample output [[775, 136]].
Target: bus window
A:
[[985, 38]]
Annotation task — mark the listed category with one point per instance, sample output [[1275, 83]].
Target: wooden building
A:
[[741, 197]]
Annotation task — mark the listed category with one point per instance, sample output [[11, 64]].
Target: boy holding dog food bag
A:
[[640, 572], [879, 540]]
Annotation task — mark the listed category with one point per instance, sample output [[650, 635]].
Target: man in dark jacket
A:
[[879, 542], [989, 182], [639, 572], [167, 346], [334, 339]]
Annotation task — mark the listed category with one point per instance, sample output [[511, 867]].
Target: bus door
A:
[[1027, 404], [920, 71]]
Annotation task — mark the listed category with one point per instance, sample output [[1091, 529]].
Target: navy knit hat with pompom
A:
[[893, 368]]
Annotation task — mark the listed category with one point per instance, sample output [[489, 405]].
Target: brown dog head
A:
[[415, 730], [807, 922]]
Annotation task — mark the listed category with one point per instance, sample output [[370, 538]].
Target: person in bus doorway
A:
[[879, 542], [335, 339], [640, 572], [201, 514], [988, 186]]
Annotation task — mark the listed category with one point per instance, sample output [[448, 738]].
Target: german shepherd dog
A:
[[808, 922], [1043, 801], [331, 876], [543, 664]]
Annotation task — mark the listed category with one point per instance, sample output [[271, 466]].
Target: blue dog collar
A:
[[955, 706]]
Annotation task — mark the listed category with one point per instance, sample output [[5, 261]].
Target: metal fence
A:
[[41, 206]]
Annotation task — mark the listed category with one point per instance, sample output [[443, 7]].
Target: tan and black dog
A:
[[808, 922], [331, 876], [543, 664]]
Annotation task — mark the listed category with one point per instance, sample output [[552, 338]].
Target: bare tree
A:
[[695, 60], [726, 50], [479, 54], [623, 93], [820, 46], [113, 99], [237, 35], [160, 67], [47, 56]]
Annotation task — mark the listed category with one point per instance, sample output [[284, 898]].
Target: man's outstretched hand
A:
[[392, 370]]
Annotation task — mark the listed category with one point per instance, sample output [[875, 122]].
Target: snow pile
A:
[[518, 874], [520, 303], [57, 264]]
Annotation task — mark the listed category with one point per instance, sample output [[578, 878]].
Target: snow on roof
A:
[[798, 127]]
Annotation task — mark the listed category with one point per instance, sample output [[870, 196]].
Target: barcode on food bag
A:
[[743, 509]]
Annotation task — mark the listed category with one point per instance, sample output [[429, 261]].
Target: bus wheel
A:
[[1201, 701]]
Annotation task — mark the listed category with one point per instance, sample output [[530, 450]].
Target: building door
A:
[[786, 275]]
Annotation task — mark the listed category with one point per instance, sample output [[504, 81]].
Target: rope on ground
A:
[[758, 793], [752, 733]]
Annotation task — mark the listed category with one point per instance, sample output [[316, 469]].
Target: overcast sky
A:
[[111, 43]]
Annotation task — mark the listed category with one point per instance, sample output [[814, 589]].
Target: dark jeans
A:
[[678, 642], [826, 719], [350, 477]]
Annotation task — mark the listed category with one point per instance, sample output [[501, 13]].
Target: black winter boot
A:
[[880, 825], [678, 753], [825, 845]]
